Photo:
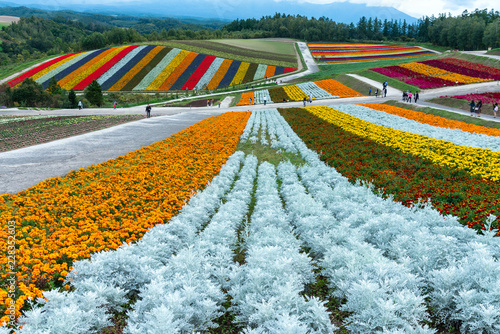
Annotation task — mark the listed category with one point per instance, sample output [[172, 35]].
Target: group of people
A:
[[310, 100], [407, 96], [383, 92], [475, 108]]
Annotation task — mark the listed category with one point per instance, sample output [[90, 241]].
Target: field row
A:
[[345, 53], [322, 89], [396, 268], [147, 67]]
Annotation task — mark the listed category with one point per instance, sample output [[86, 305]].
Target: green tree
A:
[[93, 93], [30, 94], [54, 87], [72, 99]]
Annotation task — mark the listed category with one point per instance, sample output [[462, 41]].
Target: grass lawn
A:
[[279, 47], [10, 69]]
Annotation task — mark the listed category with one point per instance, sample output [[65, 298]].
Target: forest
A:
[[36, 37]]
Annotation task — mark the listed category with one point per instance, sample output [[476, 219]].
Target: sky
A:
[[415, 8]]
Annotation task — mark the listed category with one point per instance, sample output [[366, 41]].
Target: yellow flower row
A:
[[74, 78], [442, 74], [295, 93], [160, 79], [336, 88], [482, 162], [62, 220], [240, 75], [434, 120], [136, 69]]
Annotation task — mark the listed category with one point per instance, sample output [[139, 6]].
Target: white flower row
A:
[[456, 136], [122, 62], [186, 293], [149, 78], [207, 77], [114, 274], [261, 95], [59, 69], [4, 120], [311, 89], [260, 73], [266, 290]]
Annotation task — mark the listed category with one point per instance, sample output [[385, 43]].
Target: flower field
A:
[[62, 220], [323, 89], [18, 132], [252, 244], [486, 98], [440, 72], [346, 53], [147, 67]]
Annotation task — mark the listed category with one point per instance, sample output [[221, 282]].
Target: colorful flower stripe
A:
[[98, 208], [278, 94], [126, 68], [119, 65], [409, 179], [55, 69], [261, 96], [434, 120], [261, 72], [294, 93], [238, 77], [475, 66], [250, 73], [104, 68], [219, 75], [349, 53], [484, 97], [90, 67], [177, 72], [199, 73], [74, 67], [270, 71], [247, 98], [289, 69], [146, 69], [173, 59], [143, 61], [209, 74], [312, 89], [148, 79], [231, 72], [464, 70], [377, 57], [412, 78], [188, 72], [439, 73], [335, 88], [39, 68], [481, 162]]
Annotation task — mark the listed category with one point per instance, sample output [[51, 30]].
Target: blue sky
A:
[[415, 8]]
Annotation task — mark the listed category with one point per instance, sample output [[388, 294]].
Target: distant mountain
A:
[[227, 10]]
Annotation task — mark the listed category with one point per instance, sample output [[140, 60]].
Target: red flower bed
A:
[[468, 70], [104, 68], [484, 97], [198, 73], [475, 66], [37, 69], [412, 78]]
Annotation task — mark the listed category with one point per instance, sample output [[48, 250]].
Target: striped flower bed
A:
[[147, 67], [484, 97], [323, 89], [440, 72], [344, 53]]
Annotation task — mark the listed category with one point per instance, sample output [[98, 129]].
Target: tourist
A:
[[370, 92], [114, 105], [148, 111], [376, 92], [410, 95], [415, 97], [305, 100], [80, 105], [479, 105], [265, 100], [472, 107], [495, 109]]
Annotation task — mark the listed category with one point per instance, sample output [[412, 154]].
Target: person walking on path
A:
[[376, 92], [415, 97], [410, 95], [305, 101], [385, 91], [370, 92], [265, 100], [80, 105], [310, 98], [495, 109], [114, 105], [479, 105], [472, 107], [148, 111]]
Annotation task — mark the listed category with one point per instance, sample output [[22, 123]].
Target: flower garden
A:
[[440, 72], [345, 53], [147, 67], [213, 232], [486, 98], [322, 89]]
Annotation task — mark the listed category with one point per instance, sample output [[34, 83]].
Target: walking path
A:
[[311, 65]]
